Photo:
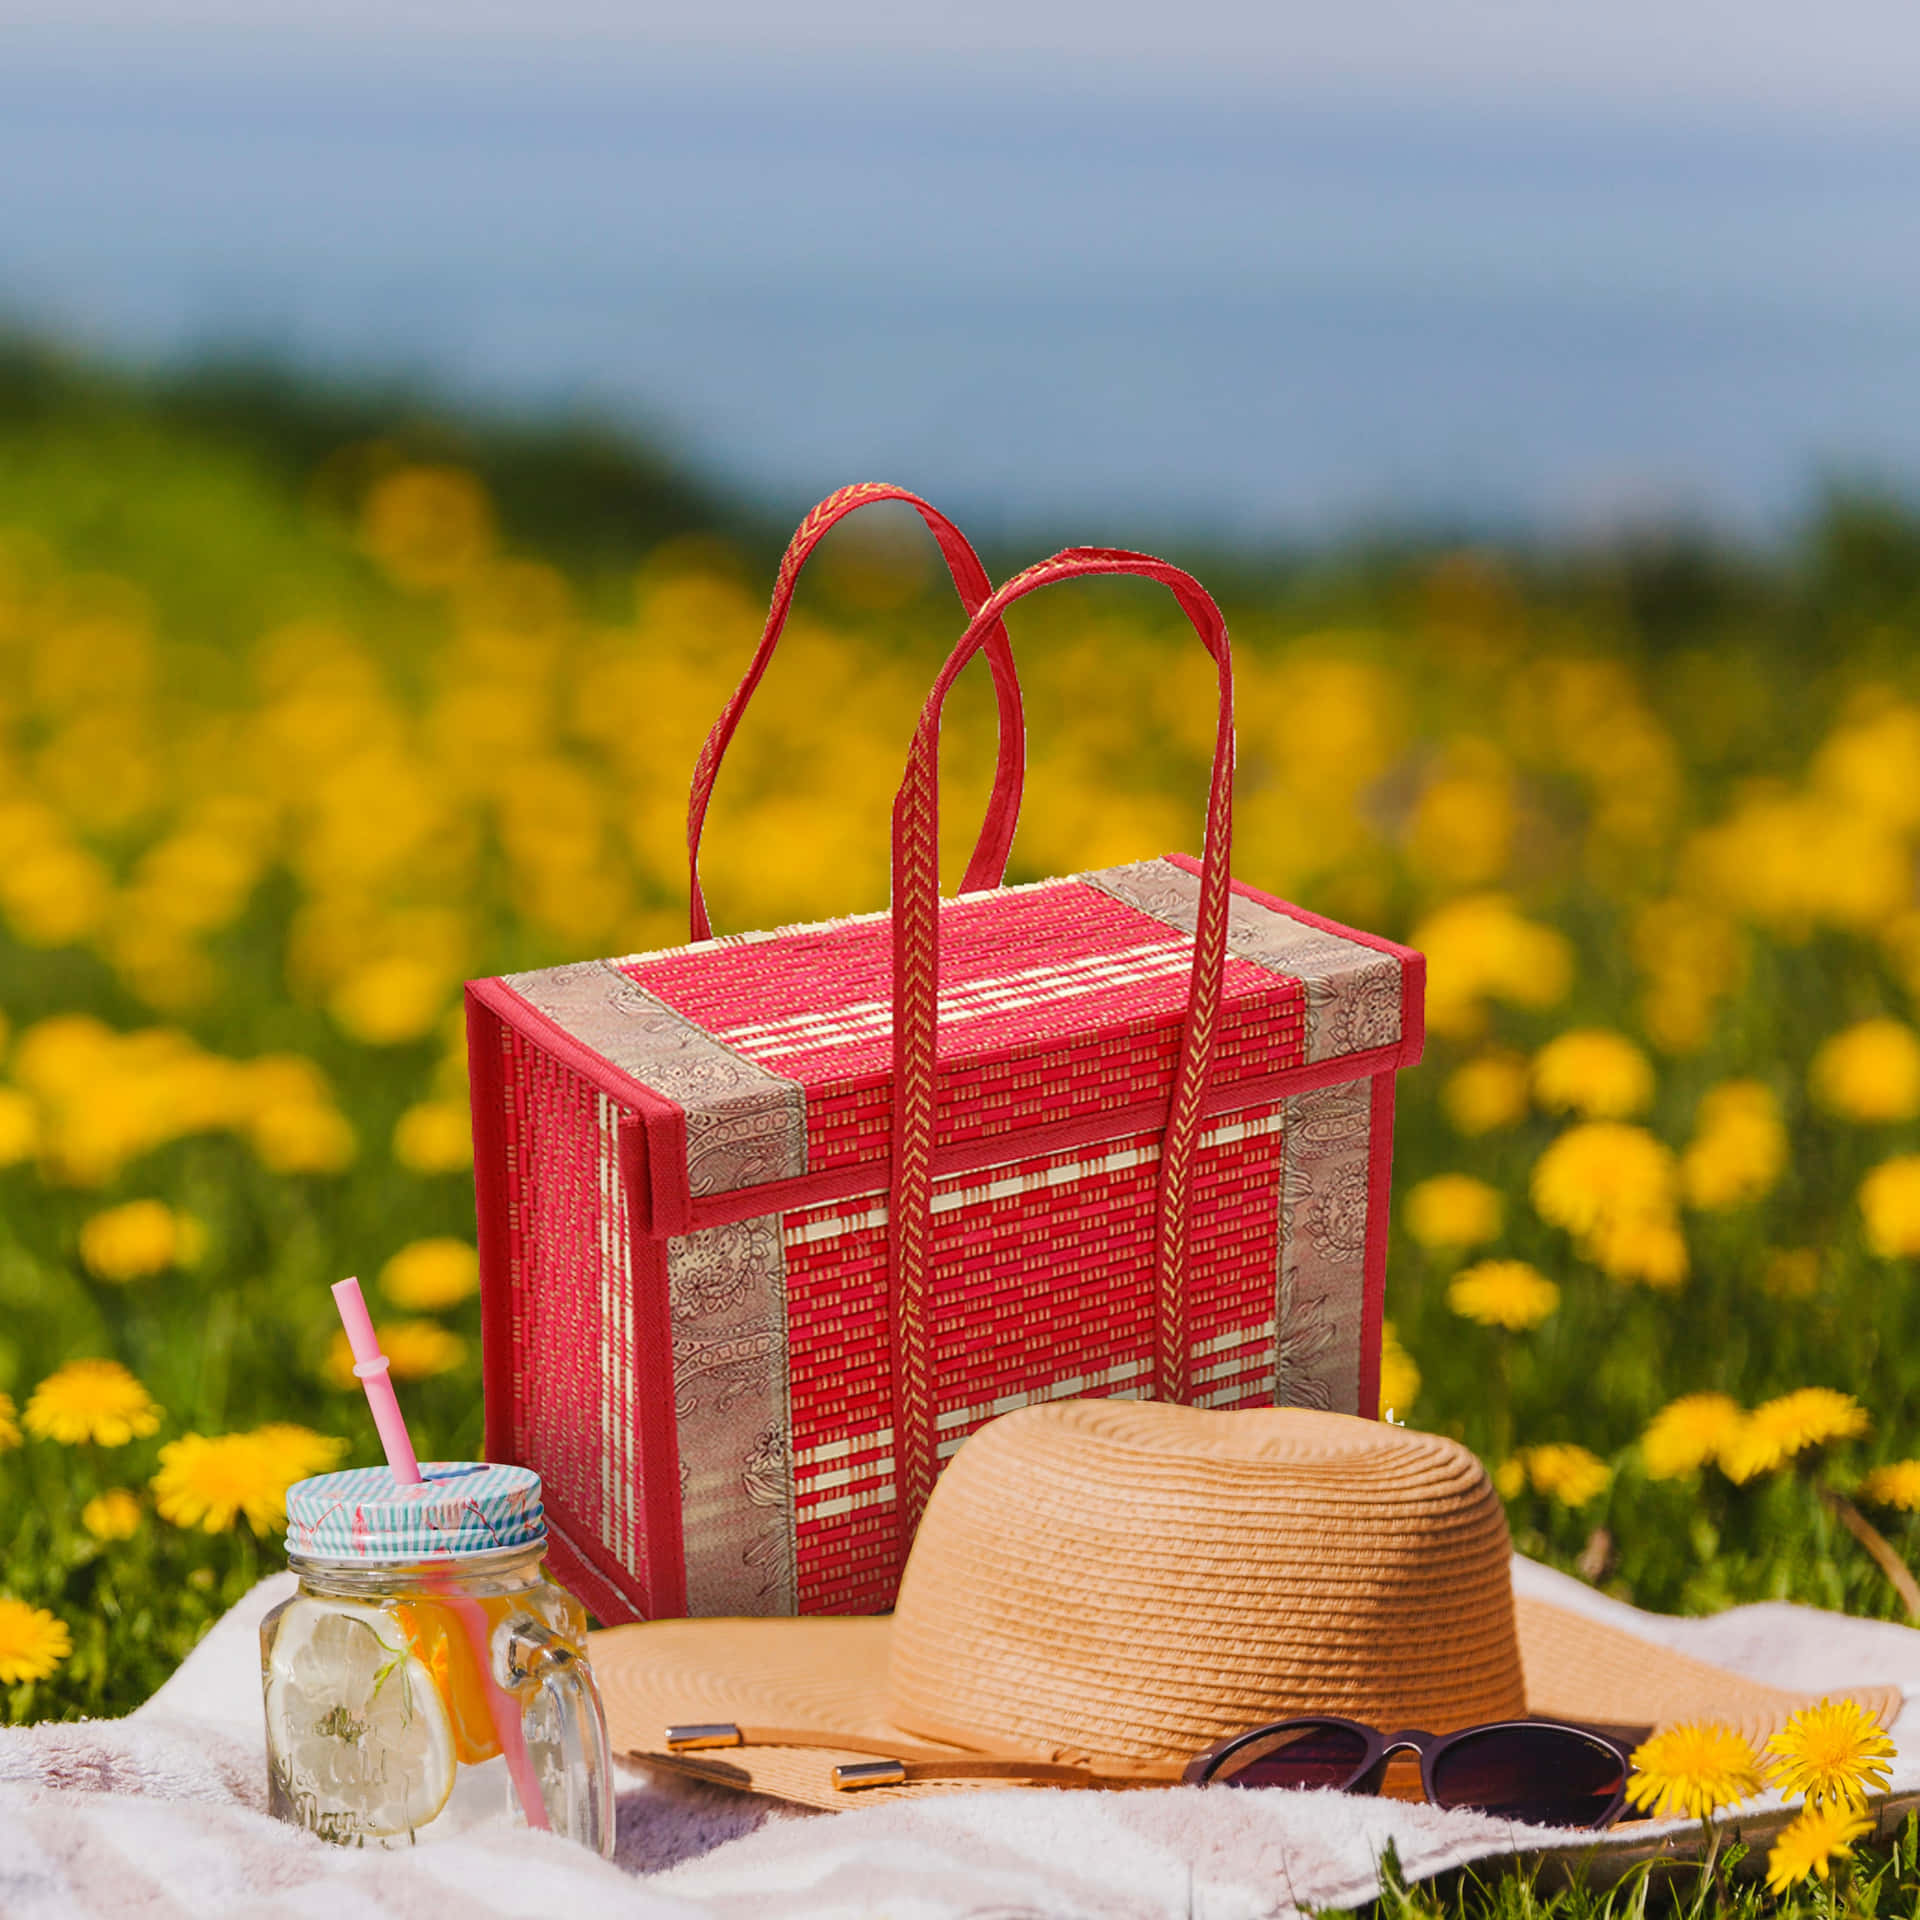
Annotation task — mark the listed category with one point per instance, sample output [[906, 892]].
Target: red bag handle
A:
[[916, 979], [989, 862]]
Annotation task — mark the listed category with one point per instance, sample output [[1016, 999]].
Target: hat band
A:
[[903, 1763]]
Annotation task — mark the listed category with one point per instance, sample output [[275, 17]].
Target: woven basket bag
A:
[[769, 1223]]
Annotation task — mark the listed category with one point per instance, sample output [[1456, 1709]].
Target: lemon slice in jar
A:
[[356, 1729]]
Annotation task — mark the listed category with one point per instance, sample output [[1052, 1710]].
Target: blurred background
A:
[[1256, 272], [401, 415]]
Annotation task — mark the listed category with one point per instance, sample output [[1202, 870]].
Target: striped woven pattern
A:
[[461, 1507], [1056, 1001], [1039, 1293], [570, 1304]]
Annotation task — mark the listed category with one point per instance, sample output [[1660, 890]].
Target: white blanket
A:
[[164, 1814]]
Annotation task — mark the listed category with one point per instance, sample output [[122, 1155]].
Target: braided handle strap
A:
[[989, 860], [916, 977]]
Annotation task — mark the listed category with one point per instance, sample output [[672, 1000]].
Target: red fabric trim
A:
[[1373, 1299], [491, 1211], [662, 1200], [1413, 963], [658, 1428], [607, 1594]]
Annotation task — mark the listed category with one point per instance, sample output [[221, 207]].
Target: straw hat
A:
[[1101, 1588]]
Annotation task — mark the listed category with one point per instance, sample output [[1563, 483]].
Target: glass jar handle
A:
[[566, 1732]]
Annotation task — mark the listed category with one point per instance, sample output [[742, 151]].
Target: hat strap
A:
[[903, 1763]]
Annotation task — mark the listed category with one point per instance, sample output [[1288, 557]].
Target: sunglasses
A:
[[1542, 1772]]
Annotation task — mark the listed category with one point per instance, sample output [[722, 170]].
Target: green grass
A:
[[1881, 1879]]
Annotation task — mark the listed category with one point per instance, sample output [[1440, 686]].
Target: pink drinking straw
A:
[[371, 1367]]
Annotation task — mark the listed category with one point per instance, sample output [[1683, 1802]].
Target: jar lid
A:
[[460, 1507]]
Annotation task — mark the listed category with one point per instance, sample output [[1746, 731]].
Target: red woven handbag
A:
[[770, 1223]]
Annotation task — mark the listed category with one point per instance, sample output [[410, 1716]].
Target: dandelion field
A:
[[309, 711]]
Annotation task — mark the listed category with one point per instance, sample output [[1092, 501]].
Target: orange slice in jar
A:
[[441, 1635]]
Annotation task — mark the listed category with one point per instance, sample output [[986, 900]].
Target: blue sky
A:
[[1262, 270], [1772, 57]]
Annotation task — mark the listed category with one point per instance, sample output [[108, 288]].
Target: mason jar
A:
[[428, 1675]]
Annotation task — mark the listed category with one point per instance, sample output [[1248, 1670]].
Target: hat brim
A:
[[829, 1674]]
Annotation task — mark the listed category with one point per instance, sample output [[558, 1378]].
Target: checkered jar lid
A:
[[461, 1507]]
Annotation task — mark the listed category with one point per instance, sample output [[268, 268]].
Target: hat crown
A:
[[1140, 1579]]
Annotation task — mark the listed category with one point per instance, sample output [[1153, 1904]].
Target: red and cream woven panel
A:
[[683, 1167]]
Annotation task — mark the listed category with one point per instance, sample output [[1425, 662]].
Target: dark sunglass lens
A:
[[1313, 1753], [1547, 1776]]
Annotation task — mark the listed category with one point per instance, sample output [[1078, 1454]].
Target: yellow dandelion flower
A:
[[1890, 1205], [9, 1424], [142, 1237], [1750, 1451], [113, 1515], [1510, 1478], [1812, 1842], [415, 1350], [1461, 830], [211, 1480], [1739, 1148], [1794, 861], [1792, 1273], [1834, 1752], [1794, 1423], [96, 1400], [385, 1003], [1869, 1074], [1454, 1210], [299, 1451], [1692, 958], [1599, 1172], [1480, 948], [19, 1127], [1503, 1293], [1399, 1377], [275, 1080], [1688, 1433], [431, 1274], [1897, 1484], [1694, 1768], [451, 1075], [436, 1136], [428, 527], [302, 1136], [1486, 1095], [1815, 1417], [32, 1641], [1572, 1476], [1594, 1073], [55, 895], [1867, 762], [61, 1057], [1647, 1248]]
